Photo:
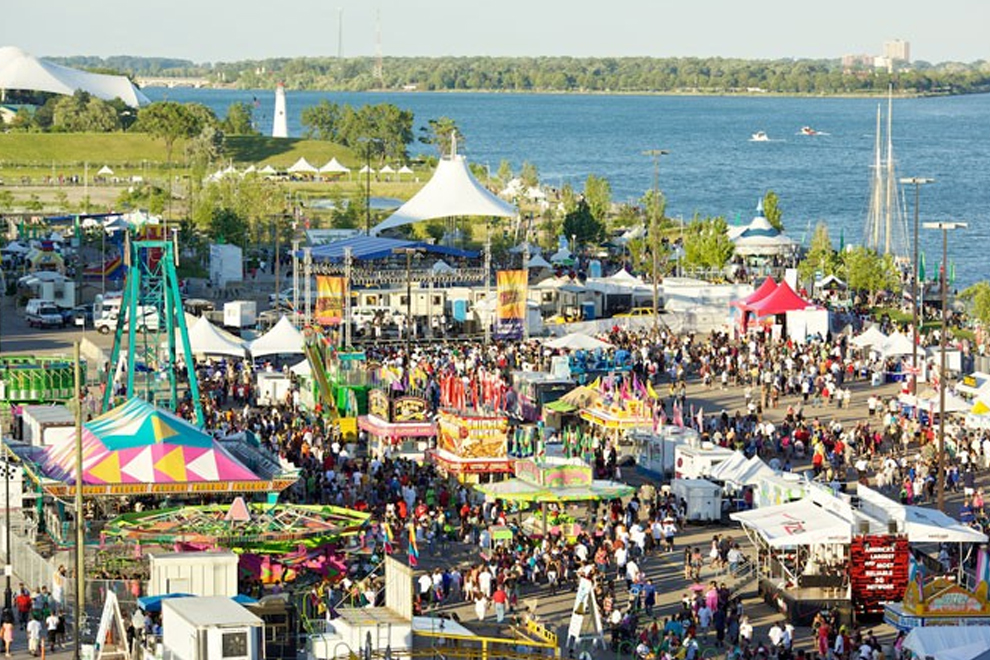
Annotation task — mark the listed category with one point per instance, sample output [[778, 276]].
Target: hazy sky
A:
[[224, 30]]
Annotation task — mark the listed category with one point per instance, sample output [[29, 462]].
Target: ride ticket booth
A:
[[398, 424]]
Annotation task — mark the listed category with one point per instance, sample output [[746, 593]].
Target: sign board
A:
[[878, 571], [378, 405]]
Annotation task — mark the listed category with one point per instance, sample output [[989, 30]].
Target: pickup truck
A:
[[45, 316]]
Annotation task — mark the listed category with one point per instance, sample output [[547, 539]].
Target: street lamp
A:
[[367, 142], [655, 231], [917, 182], [945, 227]]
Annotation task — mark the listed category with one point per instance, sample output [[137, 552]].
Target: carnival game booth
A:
[[398, 422], [471, 446], [618, 417], [558, 482]]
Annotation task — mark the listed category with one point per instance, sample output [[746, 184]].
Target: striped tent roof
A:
[[139, 443]]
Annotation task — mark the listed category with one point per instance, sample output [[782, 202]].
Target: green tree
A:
[[205, 148], [978, 296], [438, 132], [821, 257], [707, 244], [867, 271], [582, 224], [226, 226], [239, 120], [772, 211], [168, 121], [504, 172], [529, 175], [321, 121], [598, 193]]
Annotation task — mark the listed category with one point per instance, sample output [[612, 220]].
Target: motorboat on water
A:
[[759, 136], [808, 130]]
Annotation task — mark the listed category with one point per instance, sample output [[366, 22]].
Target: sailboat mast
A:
[[875, 202], [890, 200]]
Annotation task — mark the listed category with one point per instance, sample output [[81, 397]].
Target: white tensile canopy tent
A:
[[365, 169], [268, 169], [104, 171], [729, 468], [539, 262], [405, 169], [282, 339], [563, 254], [206, 339], [452, 192], [921, 525], [896, 344], [334, 167], [302, 166], [624, 277], [577, 341], [20, 70], [387, 169]]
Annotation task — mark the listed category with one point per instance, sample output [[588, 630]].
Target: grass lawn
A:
[[30, 154]]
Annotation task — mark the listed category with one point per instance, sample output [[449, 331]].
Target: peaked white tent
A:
[[20, 70], [105, 171], [452, 192], [626, 278], [334, 167], [405, 169], [869, 337], [563, 254], [794, 524], [302, 166], [282, 339], [442, 266], [577, 341], [206, 339], [896, 344], [268, 169], [387, 169], [519, 249], [250, 169], [539, 262], [365, 169]]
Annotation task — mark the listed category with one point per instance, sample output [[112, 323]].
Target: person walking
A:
[[51, 624], [34, 636], [7, 630], [500, 598]]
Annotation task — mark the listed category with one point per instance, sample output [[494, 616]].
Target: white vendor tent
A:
[[730, 468], [334, 167], [896, 344], [870, 337], [539, 262], [20, 70], [948, 642], [405, 169], [302, 166], [366, 169], [920, 524], [282, 339], [206, 339], [105, 171], [452, 192], [794, 524], [268, 169], [387, 169], [577, 341], [302, 368], [623, 277]]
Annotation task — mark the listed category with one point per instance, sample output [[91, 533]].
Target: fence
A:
[[29, 566]]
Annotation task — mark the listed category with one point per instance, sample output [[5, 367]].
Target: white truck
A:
[[240, 314], [147, 315], [697, 462], [209, 628]]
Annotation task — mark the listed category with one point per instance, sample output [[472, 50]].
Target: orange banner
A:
[[510, 313], [330, 293]]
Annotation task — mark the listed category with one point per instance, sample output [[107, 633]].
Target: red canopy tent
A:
[[780, 301], [764, 290]]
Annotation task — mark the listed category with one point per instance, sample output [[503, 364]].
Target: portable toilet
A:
[[595, 268], [588, 310], [459, 309]]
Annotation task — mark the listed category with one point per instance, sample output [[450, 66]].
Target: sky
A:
[[225, 30]]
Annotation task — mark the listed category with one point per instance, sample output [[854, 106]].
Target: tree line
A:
[[568, 74]]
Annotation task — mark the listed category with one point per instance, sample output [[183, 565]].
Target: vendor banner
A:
[[330, 293], [510, 312], [878, 571], [470, 437]]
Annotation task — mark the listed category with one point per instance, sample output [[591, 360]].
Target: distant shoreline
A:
[[685, 93]]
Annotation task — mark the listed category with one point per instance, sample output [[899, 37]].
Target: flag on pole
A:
[[389, 539], [413, 550], [921, 267]]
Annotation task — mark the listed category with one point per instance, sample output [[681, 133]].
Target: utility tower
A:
[[379, 72]]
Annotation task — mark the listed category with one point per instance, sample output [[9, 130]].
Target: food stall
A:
[[535, 389], [398, 423], [471, 445]]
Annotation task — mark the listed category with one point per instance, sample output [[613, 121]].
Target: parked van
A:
[[363, 314], [42, 313], [147, 314]]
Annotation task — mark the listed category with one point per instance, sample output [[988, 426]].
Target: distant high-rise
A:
[[897, 50], [280, 128]]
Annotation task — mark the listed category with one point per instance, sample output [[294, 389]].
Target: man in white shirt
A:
[[34, 635], [776, 635], [632, 573]]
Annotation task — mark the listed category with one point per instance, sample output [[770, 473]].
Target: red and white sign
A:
[[878, 571]]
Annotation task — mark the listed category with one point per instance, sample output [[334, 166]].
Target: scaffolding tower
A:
[[150, 322]]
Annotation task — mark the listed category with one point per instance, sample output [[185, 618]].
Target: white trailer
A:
[[240, 314], [208, 628], [47, 425], [704, 499], [226, 264], [697, 462], [196, 573], [655, 452]]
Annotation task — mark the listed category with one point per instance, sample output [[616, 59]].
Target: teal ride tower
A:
[[151, 325]]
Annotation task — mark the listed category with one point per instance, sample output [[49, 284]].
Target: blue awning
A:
[[373, 247]]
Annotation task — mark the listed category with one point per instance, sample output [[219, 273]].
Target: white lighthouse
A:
[[280, 128]]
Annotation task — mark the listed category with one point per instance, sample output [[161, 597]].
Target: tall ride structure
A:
[[150, 322]]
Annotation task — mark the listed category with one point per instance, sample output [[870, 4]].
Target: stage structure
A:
[[150, 322]]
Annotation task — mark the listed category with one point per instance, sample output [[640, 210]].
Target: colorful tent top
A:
[[782, 300], [137, 443], [764, 290], [278, 528]]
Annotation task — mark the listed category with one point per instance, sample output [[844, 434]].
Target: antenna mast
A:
[[379, 72], [340, 33]]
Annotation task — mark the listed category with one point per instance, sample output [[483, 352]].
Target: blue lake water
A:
[[713, 168]]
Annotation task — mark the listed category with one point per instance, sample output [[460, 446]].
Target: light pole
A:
[[917, 182], [654, 232], [367, 141], [409, 252], [945, 227]]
